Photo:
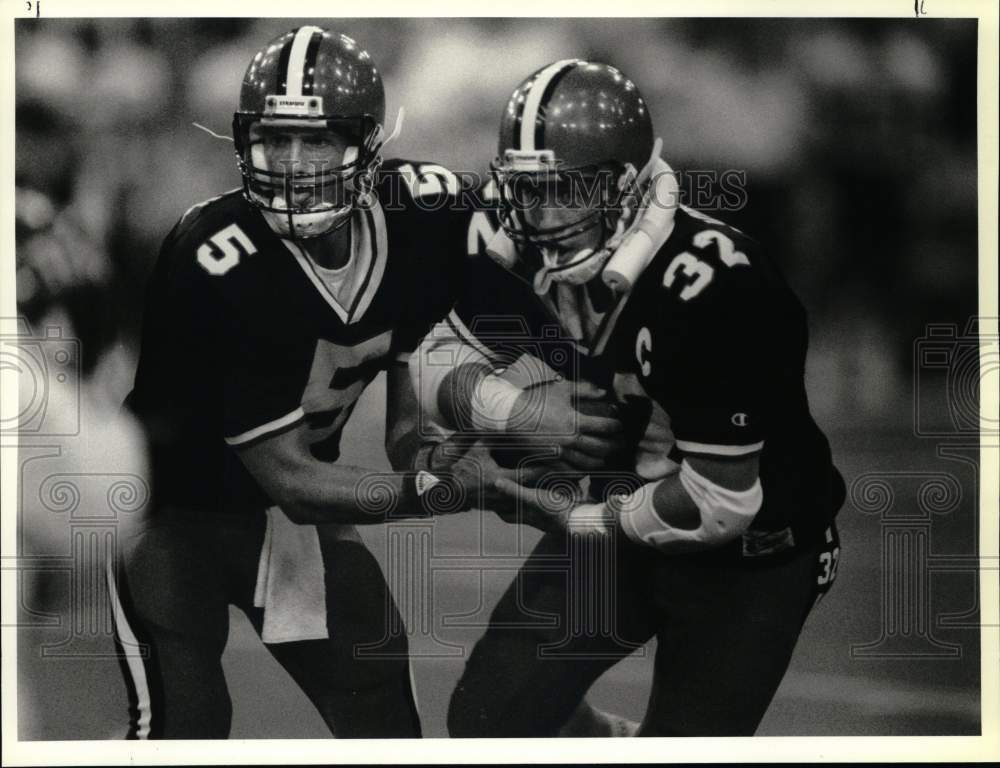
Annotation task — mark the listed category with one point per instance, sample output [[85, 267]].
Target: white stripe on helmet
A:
[[297, 60], [534, 101]]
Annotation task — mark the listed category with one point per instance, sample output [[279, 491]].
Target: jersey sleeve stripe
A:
[[268, 430], [720, 450]]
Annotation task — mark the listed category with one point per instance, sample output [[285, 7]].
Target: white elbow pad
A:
[[725, 514]]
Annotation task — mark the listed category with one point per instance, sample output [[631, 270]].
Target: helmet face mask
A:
[[308, 132], [563, 220], [306, 176], [559, 210], [572, 137]]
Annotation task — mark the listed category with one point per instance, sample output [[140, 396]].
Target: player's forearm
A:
[[404, 431], [401, 448], [349, 495], [313, 491]]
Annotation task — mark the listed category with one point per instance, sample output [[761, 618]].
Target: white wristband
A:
[[588, 518], [492, 403]]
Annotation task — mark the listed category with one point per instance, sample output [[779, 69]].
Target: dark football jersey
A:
[[711, 340], [244, 336]]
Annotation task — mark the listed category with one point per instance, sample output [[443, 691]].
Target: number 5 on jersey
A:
[[223, 250]]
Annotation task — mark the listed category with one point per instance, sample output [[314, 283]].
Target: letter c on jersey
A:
[[643, 346], [740, 420]]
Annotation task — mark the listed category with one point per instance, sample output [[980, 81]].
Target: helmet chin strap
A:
[[582, 268], [398, 129], [212, 133], [367, 182]]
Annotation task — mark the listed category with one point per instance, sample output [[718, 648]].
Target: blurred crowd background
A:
[[857, 138]]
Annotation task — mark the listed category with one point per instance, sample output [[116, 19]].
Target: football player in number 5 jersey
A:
[[714, 533], [270, 309]]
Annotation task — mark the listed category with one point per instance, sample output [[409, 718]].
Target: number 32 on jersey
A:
[[700, 273]]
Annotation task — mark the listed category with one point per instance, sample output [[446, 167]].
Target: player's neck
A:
[[331, 251]]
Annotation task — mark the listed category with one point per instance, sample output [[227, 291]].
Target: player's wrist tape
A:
[[456, 394], [433, 493], [493, 402], [588, 518], [725, 514]]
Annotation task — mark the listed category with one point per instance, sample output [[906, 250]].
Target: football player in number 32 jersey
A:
[[270, 309], [714, 527]]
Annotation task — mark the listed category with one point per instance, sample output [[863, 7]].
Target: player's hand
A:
[[572, 417], [556, 509], [471, 467]]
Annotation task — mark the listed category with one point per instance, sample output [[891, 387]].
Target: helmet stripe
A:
[[533, 101], [297, 59], [286, 51], [544, 103], [309, 68], [520, 110]]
